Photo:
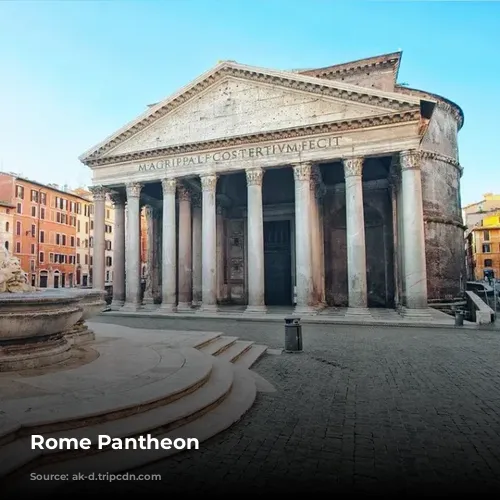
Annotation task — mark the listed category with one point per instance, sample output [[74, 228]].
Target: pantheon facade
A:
[[328, 187]]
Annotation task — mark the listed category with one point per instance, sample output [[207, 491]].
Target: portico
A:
[[269, 190]]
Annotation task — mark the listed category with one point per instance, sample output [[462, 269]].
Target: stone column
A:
[[133, 259], [255, 228], [316, 237], [169, 243], [185, 250], [197, 249], [156, 278], [415, 272], [209, 246], [219, 222], [355, 229], [150, 256], [118, 201], [303, 247], [99, 248]]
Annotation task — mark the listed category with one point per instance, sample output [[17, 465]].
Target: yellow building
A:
[[7, 225], [483, 249], [85, 234]]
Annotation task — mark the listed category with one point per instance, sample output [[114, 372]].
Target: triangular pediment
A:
[[233, 100]]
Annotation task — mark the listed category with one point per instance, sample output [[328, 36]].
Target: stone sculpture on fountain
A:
[[12, 278]]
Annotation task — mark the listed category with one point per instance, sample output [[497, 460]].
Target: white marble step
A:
[[232, 409], [217, 346], [236, 350], [86, 409], [251, 356], [19, 453]]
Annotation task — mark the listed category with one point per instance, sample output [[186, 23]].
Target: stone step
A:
[[236, 350], [89, 410], [235, 405], [251, 356], [158, 420], [217, 346]]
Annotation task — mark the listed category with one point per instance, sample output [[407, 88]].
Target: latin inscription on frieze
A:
[[241, 154]]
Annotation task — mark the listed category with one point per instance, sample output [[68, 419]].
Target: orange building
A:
[[44, 229]]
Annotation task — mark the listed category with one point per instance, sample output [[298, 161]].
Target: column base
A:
[[254, 309], [149, 305], [117, 304], [305, 310], [167, 308], [208, 308], [358, 311], [184, 307], [131, 307]]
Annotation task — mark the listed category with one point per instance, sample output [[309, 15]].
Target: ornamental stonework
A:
[[254, 176], [98, 193], [209, 183], [133, 189], [117, 199], [410, 160], [169, 186], [302, 172], [183, 193], [353, 167]]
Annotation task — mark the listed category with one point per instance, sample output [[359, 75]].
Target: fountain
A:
[[38, 327]]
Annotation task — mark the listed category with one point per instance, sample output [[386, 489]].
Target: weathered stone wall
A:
[[441, 202], [378, 242]]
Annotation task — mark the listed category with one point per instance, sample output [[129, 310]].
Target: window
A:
[[78, 258], [43, 198], [108, 216], [18, 247], [33, 230], [107, 275], [78, 242], [109, 261], [7, 226], [51, 257], [42, 213], [34, 196], [32, 265], [108, 245], [91, 225], [42, 257], [19, 208], [58, 217], [91, 242], [20, 192], [33, 211], [86, 228], [18, 228], [42, 236], [72, 241], [86, 259], [32, 249], [78, 225], [63, 240], [486, 235], [486, 248], [6, 245]]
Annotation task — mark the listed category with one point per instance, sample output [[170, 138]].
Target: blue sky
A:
[[74, 72]]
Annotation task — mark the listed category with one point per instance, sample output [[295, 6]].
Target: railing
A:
[[480, 312]]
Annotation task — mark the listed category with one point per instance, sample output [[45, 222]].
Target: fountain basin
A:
[[32, 327]]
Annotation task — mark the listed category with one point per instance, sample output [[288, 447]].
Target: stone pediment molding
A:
[[339, 90], [278, 135]]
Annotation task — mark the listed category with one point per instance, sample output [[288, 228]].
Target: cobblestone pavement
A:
[[370, 409]]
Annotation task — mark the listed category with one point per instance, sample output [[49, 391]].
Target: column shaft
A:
[[316, 237], [133, 259], [169, 291], [355, 229], [415, 271], [150, 255], [118, 251], [185, 251], [209, 246], [255, 224], [197, 251], [99, 247], [219, 222], [303, 246], [156, 278]]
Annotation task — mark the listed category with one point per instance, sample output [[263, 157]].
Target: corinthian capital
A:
[[302, 171], [184, 193], [410, 160], [209, 182], [168, 185], [117, 199], [353, 167], [98, 193], [133, 189], [254, 176]]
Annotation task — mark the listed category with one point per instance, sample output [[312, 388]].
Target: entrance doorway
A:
[[277, 263], [56, 281]]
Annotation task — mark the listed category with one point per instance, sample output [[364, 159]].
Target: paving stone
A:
[[362, 409]]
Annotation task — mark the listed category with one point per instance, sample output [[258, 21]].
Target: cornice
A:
[[278, 79], [291, 133], [431, 155]]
